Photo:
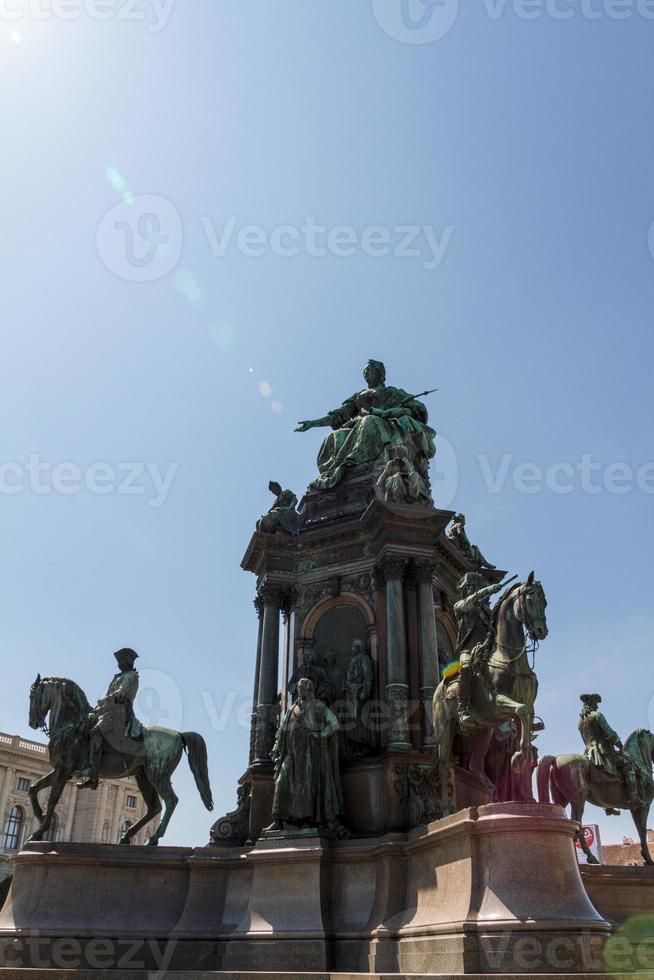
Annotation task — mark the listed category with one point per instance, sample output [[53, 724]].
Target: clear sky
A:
[[493, 188]]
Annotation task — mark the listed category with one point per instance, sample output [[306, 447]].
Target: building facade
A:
[[98, 816]]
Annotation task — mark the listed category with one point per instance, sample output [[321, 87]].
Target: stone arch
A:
[[308, 627], [329, 630]]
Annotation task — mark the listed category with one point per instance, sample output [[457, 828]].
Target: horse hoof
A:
[[153, 842], [592, 860]]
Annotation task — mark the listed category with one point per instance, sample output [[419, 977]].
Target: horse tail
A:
[[544, 778], [196, 750]]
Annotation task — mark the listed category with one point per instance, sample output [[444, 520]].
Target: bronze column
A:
[[272, 598], [258, 605], [397, 688], [425, 571]]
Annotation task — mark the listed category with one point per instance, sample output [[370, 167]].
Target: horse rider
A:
[[604, 748], [473, 617], [114, 719]]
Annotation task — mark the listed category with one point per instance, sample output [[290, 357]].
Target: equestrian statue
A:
[[610, 774], [492, 681], [107, 742]]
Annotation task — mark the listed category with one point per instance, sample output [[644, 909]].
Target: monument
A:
[[385, 820]]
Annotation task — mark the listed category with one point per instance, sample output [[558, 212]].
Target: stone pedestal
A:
[[494, 889]]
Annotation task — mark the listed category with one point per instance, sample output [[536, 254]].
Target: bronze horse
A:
[[574, 780], [152, 763], [504, 688]]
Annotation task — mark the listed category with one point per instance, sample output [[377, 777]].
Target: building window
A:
[[23, 784], [131, 803], [14, 828]]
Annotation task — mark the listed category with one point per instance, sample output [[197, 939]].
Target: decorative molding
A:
[[234, 826], [393, 566], [274, 594], [425, 570], [398, 723], [265, 730]]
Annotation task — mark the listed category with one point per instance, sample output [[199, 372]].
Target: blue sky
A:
[[146, 323]]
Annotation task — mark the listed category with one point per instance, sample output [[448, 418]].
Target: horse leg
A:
[[640, 816], [577, 813], [477, 765], [165, 790], [58, 779], [524, 715], [152, 803], [34, 791]]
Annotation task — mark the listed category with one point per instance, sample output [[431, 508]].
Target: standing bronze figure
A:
[[307, 777]]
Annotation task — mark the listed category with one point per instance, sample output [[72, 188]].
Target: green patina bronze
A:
[[457, 534], [283, 515], [307, 776], [496, 683], [610, 774], [369, 428], [108, 742]]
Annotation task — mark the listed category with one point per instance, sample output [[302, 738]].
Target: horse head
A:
[[63, 697], [39, 705], [529, 604]]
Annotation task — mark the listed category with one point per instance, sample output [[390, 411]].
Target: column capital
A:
[[424, 570], [392, 567], [258, 604], [274, 594]]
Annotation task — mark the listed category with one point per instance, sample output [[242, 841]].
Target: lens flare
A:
[[277, 406], [223, 336], [188, 285], [265, 389]]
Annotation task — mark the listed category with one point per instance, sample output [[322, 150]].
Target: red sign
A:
[[589, 836]]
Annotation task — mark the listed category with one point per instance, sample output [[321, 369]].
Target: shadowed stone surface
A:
[[487, 890]]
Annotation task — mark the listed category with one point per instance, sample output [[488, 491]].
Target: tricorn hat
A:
[[590, 698], [126, 653]]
